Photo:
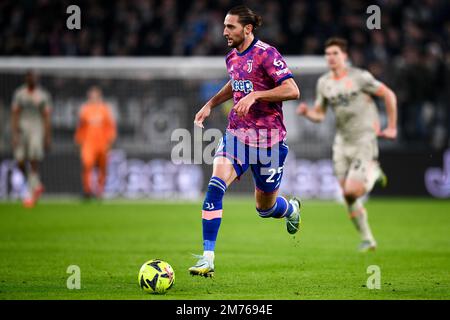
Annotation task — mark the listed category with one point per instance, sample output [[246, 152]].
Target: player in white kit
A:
[[30, 123], [348, 91]]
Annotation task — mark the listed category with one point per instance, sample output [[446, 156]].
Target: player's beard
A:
[[236, 42]]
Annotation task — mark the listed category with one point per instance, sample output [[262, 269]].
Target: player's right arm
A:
[[81, 127], [224, 94], [317, 113], [15, 115]]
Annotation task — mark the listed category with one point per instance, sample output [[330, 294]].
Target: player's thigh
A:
[[268, 172], [230, 152], [363, 163], [341, 163], [88, 157], [102, 159], [223, 168], [36, 146], [19, 150], [357, 176]]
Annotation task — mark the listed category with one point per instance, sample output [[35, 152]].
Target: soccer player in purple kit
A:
[[255, 137]]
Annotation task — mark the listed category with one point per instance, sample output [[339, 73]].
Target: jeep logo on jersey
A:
[[278, 63], [245, 86]]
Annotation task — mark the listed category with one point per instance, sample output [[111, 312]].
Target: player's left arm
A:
[[46, 115], [390, 101], [111, 127], [372, 86], [277, 69]]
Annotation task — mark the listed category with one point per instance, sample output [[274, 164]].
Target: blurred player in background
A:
[[260, 81], [95, 133], [349, 92], [31, 133]]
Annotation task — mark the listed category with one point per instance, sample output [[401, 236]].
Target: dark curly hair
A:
[[246, 16]]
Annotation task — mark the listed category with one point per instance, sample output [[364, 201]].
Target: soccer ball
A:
[[156, 276]]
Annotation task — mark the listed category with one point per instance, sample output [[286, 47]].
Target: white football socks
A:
[[209, 255], [358, 215]]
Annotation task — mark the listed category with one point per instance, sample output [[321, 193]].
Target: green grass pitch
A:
[[255, 258]]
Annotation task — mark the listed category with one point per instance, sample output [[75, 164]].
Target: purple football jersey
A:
[[260, 67]]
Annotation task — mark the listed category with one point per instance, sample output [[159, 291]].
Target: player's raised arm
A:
[[287, 90], [220, 97], [390, 101], [315, 114]]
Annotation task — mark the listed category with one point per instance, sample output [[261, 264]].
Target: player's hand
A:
[[302, 109], [243, 106], [388, 133], [202, 115]]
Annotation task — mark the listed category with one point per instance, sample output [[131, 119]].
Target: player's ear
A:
[[344, 54], [248, 29]]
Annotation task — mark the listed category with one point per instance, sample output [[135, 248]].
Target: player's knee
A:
[[21, 165], [349, 197], [351, 194], [88, 167], [34, 165], [102, 170]]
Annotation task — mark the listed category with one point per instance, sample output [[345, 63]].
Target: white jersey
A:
[[350, 98], [31, 105]]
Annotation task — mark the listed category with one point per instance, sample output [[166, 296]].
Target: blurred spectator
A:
[[410, 52]]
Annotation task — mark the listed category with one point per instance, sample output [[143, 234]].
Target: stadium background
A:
[[159, 61]]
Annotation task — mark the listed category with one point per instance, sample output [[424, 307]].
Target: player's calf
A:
[[211, 219], [358, 215], [279, 209], [284, 209], [212, 212]]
